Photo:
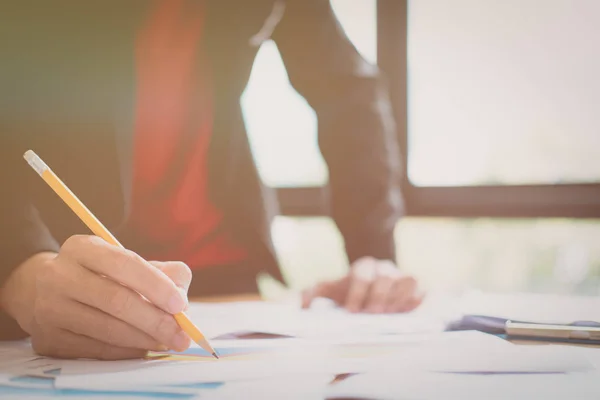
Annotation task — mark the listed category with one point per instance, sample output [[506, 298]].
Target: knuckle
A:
[[119, 301], [379, 292], [74, 242], [46, 276], [361, 282], [323, 289], [363, 272], [42, 343], [387, 268], [361, 263], [39, 345], [165, 327], [124, 259], [110, 336], [179, 272], [411, 282], [396, 280], [43, 312], [367, 260]]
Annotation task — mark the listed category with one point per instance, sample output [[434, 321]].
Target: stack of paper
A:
[[399, 354]]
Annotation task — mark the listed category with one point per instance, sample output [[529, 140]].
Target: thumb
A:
[[309, 295], [334, 290], [178, 272]]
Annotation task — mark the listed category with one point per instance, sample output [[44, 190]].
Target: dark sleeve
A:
[[22, 232], [356, 128]]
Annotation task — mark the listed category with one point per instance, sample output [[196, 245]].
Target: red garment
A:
[[171, 212]]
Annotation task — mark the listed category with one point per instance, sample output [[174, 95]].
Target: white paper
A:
[[47, 395], [592, 354], [8, 380], [289, 320], [81, 367], [481, 359], [18, 358], [305, 387], [15, 353], [290, 360], [424, 386], [499, 359], [197, 372]]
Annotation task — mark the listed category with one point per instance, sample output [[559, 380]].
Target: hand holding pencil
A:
[[95, 299]]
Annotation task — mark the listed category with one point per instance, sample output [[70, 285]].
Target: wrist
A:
[[17, 295]]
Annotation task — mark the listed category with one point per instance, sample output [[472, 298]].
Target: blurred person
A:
[[136, 105]]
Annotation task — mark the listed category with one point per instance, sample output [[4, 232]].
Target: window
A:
[[450, 255], [281, 125], [497, 104], [549, 255], [513, 87], [497, 109]]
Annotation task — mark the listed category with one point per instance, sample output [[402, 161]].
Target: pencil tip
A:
[[215, 355]]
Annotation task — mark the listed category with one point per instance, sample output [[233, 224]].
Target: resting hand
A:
[[371, 286], [89, 301]]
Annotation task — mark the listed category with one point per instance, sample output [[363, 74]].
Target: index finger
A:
[[127, 268]]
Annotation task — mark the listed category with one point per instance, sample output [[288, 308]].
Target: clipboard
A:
[[554, 333]]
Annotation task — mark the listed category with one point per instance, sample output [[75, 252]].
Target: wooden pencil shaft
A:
[[90, 220]]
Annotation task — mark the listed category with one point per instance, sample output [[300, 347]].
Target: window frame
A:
[[506, 201]]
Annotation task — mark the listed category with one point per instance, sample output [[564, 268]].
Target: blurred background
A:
[[498, 93]]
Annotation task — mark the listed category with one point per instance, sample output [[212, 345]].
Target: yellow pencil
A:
[[100, 230]]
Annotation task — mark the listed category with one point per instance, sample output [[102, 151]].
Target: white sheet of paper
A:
[[305, 387], [219, 371], [540, 308], [522, 359], [294, 361], [15, 353], [81, 367], [7, 380], [290, 320], [592, 354], [18, 358], [484, 359], [426, 386]]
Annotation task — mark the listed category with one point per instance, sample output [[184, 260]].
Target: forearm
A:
[[364, 177], [357, 131]]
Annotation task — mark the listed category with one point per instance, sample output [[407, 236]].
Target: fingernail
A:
[[162, 347], [176, 304], [181, 342]]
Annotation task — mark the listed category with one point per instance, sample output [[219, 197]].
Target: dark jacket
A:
[[66, 91]]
